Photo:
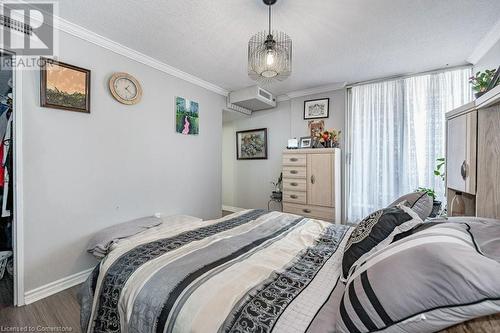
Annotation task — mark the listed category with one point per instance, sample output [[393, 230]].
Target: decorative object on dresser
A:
[[292, 144], [64, 86], [315, 127], [317, 108], [481, 82], [473, 157], [251, 144], [328, 138], [187, 119], [312, 182], [125, 88], [306, 142]]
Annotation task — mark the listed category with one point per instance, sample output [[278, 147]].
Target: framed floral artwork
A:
[[251, 144]]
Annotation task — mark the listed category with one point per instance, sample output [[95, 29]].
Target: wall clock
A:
[[125, 88]]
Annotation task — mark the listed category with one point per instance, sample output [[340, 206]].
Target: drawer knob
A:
[[294, 184], [293, 196], [294, 172], [306, 210], [294, 159]]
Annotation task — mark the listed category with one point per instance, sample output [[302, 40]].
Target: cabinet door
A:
[[320, 179], [488, 163], [461, 153]]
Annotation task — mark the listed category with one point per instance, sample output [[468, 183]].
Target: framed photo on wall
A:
[[251, 144], [316, 108], [64, 86]]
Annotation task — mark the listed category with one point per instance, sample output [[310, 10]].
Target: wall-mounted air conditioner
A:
[[253, 98]]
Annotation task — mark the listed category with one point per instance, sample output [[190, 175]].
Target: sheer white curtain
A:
[[396, 131]]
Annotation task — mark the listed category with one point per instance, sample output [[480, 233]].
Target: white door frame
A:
[[18, 222]]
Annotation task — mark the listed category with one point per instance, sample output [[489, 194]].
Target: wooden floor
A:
[[226, 212], [57, 311]]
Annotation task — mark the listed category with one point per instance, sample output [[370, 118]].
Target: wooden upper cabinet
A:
[[488, 157], [320, 179], [461, 152]]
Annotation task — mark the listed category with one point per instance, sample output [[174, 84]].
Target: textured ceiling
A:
[[334, 40]]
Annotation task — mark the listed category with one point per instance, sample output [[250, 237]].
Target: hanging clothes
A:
[[7, 165]]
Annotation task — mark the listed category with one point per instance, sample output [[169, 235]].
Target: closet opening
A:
[[6, 180]]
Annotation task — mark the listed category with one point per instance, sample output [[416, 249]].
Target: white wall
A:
[[84, 172], [247, 183], [491, 60]]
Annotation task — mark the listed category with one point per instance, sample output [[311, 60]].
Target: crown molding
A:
[[92, 37], [311, 91], [485, 44]]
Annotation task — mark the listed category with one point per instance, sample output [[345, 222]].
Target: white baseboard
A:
[[232, 209], [56, 286]]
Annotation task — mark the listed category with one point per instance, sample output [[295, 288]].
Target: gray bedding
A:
[[258, 271], [251, 271]]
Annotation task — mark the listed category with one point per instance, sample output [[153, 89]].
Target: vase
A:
[[479, 94], [457, 205]]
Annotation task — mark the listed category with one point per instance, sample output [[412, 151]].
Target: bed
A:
[[252, 271]]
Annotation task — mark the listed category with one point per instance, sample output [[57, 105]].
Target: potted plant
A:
[[481, 81], [277, 194]]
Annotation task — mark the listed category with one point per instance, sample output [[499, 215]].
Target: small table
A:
[[273, 199]]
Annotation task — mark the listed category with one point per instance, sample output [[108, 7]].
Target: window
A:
[[396, 131]]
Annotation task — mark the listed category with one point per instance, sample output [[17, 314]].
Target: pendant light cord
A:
[[269, 19]]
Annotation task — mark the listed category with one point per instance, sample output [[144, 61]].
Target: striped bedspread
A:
[[253, 271]]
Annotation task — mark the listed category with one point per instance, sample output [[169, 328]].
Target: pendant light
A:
[[269, 54]]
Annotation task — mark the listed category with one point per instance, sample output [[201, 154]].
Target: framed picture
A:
[[316, 108], [306, 142], [187, 120], [495, 81], [316, 127], [64, 86], [251, 144]]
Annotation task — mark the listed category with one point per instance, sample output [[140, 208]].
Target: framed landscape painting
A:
[[317, 108], [64, 86], [186, 116], [251, 144]]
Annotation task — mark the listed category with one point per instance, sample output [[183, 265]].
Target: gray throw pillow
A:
[[425, 282], [374, 232], [420, 202]]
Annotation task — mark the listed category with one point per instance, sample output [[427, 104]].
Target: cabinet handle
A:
[[294, 159], [463, 170], [306, 210], [294, 172], [293, 196], [294, 184], [313, 179]]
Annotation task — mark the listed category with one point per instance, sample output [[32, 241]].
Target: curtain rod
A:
[[405, 76]]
